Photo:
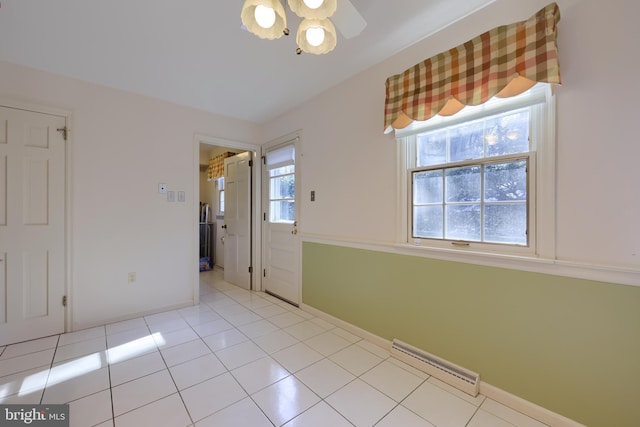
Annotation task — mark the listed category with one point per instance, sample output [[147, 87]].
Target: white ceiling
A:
[[194, 52]]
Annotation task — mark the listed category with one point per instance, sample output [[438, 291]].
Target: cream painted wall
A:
[[597, 206], [123, 146]]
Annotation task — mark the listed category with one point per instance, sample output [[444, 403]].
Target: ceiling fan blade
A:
[[348, 20]]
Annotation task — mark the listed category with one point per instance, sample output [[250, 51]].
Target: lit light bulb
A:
[[313, 4], [265, 16], [315, 36]]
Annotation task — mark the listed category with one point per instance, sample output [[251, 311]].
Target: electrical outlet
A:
[[162, 188], [132, 277]]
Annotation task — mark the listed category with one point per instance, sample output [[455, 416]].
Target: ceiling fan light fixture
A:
[[316, 36], [264, 18], [313, 9]]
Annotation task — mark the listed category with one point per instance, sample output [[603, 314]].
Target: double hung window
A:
[[472, 179]]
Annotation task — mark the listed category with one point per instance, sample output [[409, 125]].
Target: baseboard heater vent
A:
[[452, 374]]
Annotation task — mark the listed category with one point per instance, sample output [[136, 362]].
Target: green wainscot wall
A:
[[569, 345]]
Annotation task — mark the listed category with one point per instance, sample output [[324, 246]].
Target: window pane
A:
[[463, 184], [282, 190], [463, 222], [282, 171], [505, 181], [282, 211], [508, 133], [427, 187], [466, 141], [506, 223], [432, 148], [427, 221], [282, 187]]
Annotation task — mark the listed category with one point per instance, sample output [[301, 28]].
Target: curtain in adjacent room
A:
[[216, 166]]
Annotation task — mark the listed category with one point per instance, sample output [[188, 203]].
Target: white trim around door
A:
[[256, 231]]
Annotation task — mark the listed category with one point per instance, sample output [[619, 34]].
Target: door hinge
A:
[[264, 272], [64, 301], [65, 131], [250, 163], [264, 216], [250, 270], [264, 160]]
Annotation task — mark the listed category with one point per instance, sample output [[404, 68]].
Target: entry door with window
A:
[[281, 213], [32, 225], [237, 220]]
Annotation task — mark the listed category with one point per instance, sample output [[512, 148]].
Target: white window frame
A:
[[220, 187], [275, 159], [542, 176]]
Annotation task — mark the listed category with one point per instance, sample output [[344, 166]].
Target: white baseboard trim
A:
[[509, 400], [528, 408], [86, 325]]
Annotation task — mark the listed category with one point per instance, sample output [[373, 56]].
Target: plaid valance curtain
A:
[[505, 61], [216, 165]]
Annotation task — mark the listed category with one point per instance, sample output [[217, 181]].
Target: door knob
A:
[[224, 226], [294, 231]]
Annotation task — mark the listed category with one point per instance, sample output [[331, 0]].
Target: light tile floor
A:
[[238, 359]]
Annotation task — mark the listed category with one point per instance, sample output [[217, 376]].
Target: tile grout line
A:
[[184, 404], [106, 357], [53, 357]]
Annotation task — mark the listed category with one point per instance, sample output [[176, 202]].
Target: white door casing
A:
[[237, 220], [32, 224], [281, 241]]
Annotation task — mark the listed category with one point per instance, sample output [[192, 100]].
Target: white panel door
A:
[[281, 242], [237, 220], [32, 225]]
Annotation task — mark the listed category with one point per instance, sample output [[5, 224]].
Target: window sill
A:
[[470, 256]]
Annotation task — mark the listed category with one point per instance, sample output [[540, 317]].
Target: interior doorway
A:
[[209, 214]]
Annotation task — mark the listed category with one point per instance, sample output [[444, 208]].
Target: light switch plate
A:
[[181, 196], [171, 196]]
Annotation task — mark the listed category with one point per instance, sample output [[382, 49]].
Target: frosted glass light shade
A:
[[248, 16], [265, 16], [315, 36], [303, 10], [324, 46], [313, 4]]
